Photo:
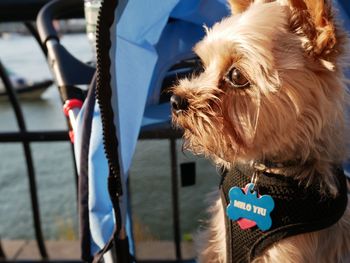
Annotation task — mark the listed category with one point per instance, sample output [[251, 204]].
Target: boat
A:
[[25, 89]]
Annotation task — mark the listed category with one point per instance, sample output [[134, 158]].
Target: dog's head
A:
[[271, 85]]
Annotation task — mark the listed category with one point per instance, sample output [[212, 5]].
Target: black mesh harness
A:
[[298, 209]]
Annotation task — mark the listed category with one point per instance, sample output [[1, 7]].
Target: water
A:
[[150, 173]]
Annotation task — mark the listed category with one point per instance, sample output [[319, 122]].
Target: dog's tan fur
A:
[[293, 54]]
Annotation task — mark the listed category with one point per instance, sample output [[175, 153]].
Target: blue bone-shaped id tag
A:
[[249, 206]]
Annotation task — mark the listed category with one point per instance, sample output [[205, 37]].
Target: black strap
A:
[[84, 174], [298, 209]]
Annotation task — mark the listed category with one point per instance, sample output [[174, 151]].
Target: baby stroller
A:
[[142, 47]]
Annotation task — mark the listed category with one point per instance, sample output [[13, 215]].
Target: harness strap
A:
[[298, 209]]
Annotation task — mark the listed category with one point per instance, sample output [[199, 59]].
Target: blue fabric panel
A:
[[101, 211], [200, 12], [133, 77]]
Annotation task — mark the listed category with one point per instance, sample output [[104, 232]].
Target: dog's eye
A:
[[236, 78]]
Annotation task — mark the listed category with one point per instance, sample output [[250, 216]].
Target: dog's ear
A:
[[313, 19], [239, 6]]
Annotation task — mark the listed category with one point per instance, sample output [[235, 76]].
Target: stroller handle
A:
[[68, 70], [54, 10]]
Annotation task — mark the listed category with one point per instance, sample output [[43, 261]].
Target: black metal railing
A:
[[26, 11], [29, 161]]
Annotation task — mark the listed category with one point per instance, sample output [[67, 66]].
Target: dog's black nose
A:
[[178, 103]]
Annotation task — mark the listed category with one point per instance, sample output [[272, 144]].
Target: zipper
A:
[[104, 90]]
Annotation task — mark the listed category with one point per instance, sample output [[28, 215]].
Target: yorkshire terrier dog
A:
[[269, 108]]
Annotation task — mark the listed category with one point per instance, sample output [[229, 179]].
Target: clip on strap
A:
[[71, 104]]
